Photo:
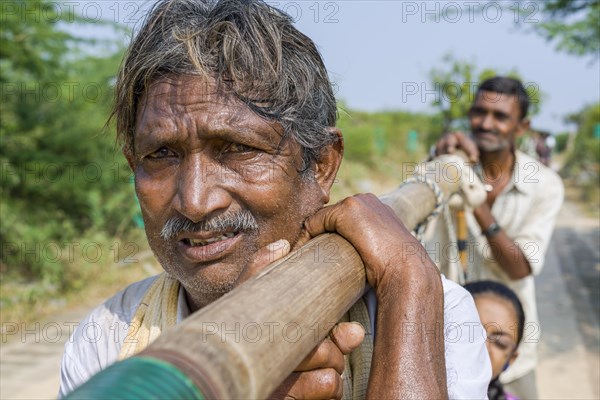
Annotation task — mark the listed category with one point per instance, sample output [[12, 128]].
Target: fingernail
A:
[[359, 324]]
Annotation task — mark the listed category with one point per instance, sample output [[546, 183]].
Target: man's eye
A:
[[239, 148], [163, 152]]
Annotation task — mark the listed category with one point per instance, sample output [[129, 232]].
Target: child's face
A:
[[500, 322]]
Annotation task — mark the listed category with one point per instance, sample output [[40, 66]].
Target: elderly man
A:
[[227, 118], [510, 232]]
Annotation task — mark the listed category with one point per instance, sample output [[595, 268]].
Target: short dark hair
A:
[[504, 292], [250, 49], [510, 86]]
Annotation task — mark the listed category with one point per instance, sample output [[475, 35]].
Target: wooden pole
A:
[[247, 342], [462, 233]]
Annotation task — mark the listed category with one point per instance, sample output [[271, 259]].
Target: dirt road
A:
[[568, 298], [568, 293]]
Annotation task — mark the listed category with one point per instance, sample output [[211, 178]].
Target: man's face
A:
[[496, 121], [215, 183]]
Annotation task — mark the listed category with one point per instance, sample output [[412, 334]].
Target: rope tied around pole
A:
[[439, 201]]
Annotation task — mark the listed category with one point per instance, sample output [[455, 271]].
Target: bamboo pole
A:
[[247, 342]]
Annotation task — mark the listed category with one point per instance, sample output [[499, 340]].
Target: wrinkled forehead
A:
[[175, 96], [171, 93], [181, 106]]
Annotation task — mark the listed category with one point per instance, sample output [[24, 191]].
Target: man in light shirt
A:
[[510, 232]]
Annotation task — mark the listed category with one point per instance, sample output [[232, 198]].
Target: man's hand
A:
[[457, 140], [409, 293], [263, 257], [386, 247], [319, 375]]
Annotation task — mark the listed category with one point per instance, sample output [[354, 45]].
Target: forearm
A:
[[506, 252], [408, 358]]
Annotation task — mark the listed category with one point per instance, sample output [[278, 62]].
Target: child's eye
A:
[[502, 344]]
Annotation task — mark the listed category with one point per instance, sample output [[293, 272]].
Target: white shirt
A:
[[97, 340], [526, 210]]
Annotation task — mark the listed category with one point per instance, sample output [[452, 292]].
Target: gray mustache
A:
[[495, 133], [238, 221]]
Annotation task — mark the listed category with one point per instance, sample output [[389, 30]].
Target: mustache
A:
[[493, 132], [233, 221]]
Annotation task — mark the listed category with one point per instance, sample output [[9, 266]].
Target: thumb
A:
[[347, 336], [264, 257]]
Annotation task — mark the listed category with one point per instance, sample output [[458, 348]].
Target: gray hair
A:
[[252, 51]]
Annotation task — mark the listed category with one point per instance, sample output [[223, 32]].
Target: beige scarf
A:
[[158, 311]]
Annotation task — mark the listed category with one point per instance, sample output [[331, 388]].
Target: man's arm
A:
[[401, 273], [505, 251], [523, 252]]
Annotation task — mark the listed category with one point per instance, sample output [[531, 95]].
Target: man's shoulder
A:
[[125, 302], [121, 306], [97, 339], [534, 175]]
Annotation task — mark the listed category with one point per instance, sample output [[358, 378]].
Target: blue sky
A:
[[378, 48], [379, 53]]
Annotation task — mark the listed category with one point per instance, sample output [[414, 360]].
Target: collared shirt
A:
[[526, 211], [97, 340]]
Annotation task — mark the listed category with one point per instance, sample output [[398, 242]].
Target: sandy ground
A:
[[568, 301]]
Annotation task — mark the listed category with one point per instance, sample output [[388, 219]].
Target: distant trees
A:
[[573, 24], [583, 160], [60, 174]]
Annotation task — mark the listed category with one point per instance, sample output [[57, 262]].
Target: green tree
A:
[[60, 175], [585, 154], [573, 24]]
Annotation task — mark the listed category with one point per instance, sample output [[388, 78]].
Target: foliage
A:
[[586, 148], [456, 84], [371, 137], [573, 24], [60, 174], [562, 141], [583, 161]]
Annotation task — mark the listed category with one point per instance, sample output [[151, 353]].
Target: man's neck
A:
[[498, 165], [194, 304]]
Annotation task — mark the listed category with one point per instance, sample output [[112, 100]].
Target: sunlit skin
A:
[[198, 155], [499, 319]]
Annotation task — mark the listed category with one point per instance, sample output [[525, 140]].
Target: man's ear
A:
[[326, 167], [523, 127]]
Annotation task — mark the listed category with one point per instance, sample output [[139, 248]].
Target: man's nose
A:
[[200, 188], [488, 122]]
